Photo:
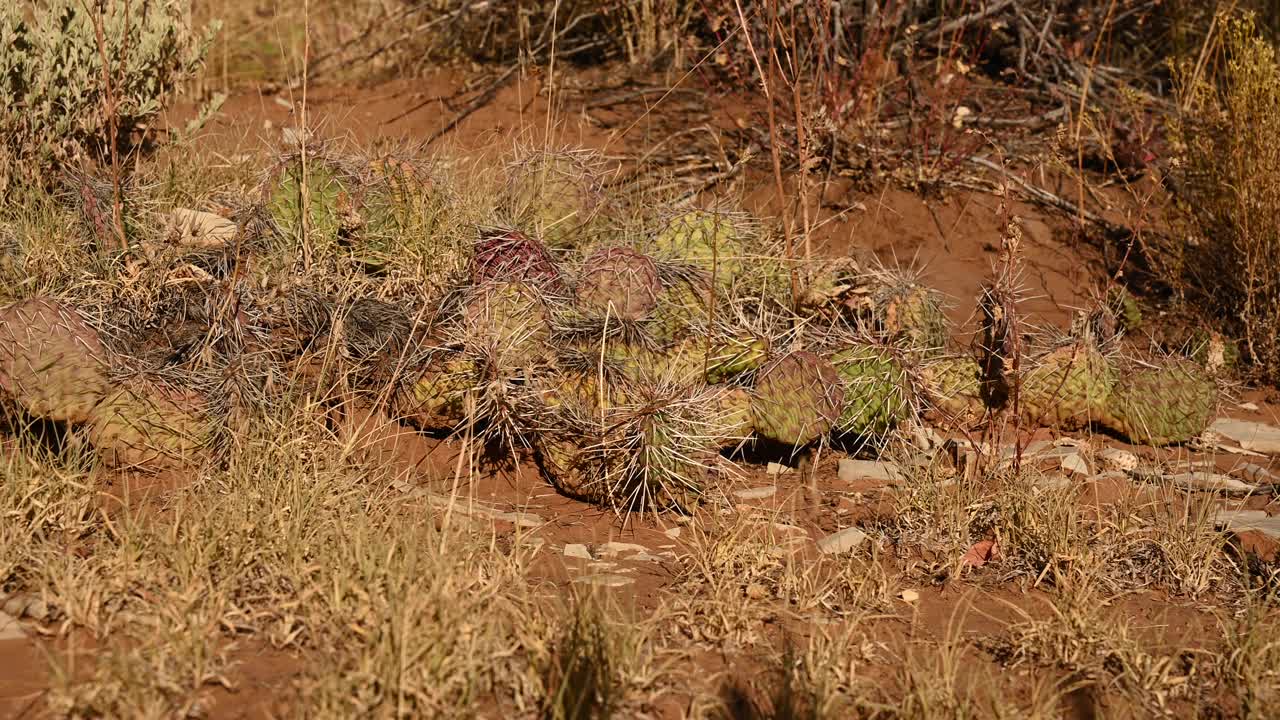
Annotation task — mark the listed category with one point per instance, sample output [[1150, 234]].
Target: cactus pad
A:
[[710, 241], [1065, 387], [797, 399], [877, 393], [150, 424], [51, 362], [437, 400], [953, 385], [509, 321], [510, 255], [620, 282], [1170, 403]]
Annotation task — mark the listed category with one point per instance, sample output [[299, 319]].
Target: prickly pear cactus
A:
[[1124, 308], [330, 209], [729, 358], [1065, 387], [619, 282], [572, 470], [797, 399], [508, 322], [877, 392], [555, 195], [51, 362], [953, 386], [149, 424], [731, 416], [437, 400], [1170, 402], [505, 255], [682, 311], [710, 241], [911, 315]]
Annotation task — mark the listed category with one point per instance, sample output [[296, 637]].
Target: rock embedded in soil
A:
[[1116, 459], [1073, 464], [605, 580], [842, 541], [1253, 436], [850, 470], [1210, 481], [1256, 531], [579, 551], [759, 493]]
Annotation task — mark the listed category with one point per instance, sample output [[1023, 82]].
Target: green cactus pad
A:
[[330, 209], [1066, 387], [1169, 403], [911, 315], [877, 392], [51, 362], [797, 399], [152, 425], [953, 385], [710, 241], [510, 320], [727, 359], [437, 399], [731, 415], [556, 196]]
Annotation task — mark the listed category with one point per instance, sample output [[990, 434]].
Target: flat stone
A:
[[575, 550], [1254, 436], [605, 580], [1073, 464], [525, 520], [851, 470], [1117, 459], [26, 605], [774, 468], [842, 541], [672, 533], [1210, 481], [1255, 474], [1255, 530], [645, 557], [617, 548], [1251, 407], [10, 628], [909, 596], [759, 493]]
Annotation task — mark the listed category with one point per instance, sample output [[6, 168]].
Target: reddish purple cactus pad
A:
[[511, 256]]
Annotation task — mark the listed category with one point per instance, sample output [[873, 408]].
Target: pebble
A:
[[1253, 436], [605, 580], [774, 468], [1117, 459], [1210, 481], [910, 596], [615, 548], [842, 541], [759, 493], [672, 533], [28, 606], [851, 470], [10, 629], [1248, 406], [1255, 474], [575, 550], [1073, 464]]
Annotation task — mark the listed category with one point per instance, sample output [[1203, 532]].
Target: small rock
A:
[[842, 541], [1109, 475], [1254, 436], [616, 548], [1054, 481], [519, 519], [1249, 407], [1117, 459], [575, 550], [645, 557], [759, 493], [1210, 481], [26, 605], [672, 533], [774, 468], [605, 580], [910, 596], [926, 438], [851, 470], [1256, 531], [1073, 464], [10, 629], [1255, 474], [199, 229]]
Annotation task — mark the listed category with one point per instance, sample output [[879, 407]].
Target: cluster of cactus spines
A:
[[1066, 386], [619, 282], [682, 310], [1165, 403], [877, 391], [51, 362], [797, 399], [509, 323], [911, 314], [555, 194], [148, 423], [711, 241], [374, 334], [953, 385], [508, 255], [1121, 305]]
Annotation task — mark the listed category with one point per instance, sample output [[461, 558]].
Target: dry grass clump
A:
[[1227, 175]]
